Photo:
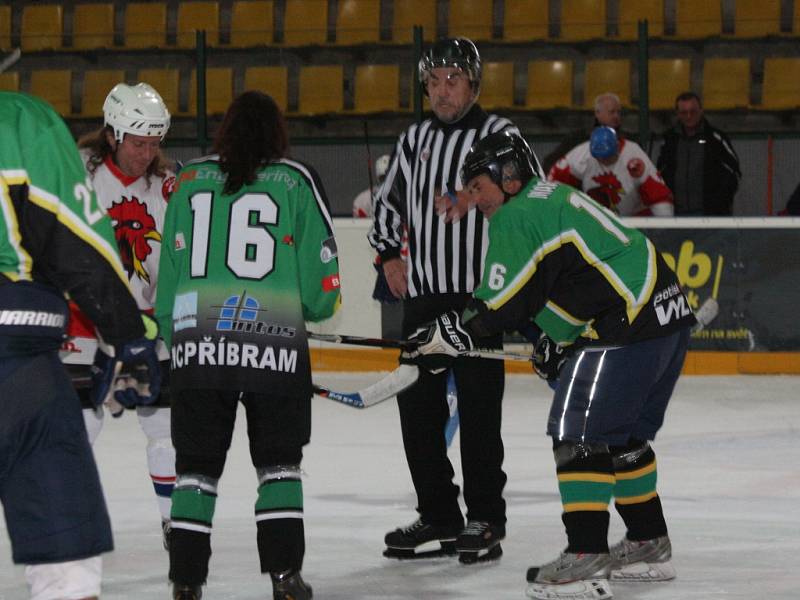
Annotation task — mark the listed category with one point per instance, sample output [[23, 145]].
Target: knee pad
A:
[[585, 475], [72, 579], [93, 419], [194, 499], [155, 422], [635, 471], [280, 493]]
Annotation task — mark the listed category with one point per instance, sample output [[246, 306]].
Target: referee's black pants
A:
[[424, 412]]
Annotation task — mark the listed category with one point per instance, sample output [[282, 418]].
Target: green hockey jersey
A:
[[557, 255], [240, 274], [52, 230]]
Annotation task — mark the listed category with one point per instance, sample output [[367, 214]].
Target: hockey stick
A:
[[395, 382], [9, 60], [354, 340]]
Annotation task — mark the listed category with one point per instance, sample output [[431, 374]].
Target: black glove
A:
[[548, 358], [435, 346], [136, 364]]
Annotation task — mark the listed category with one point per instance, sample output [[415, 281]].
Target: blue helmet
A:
[[603, 142]]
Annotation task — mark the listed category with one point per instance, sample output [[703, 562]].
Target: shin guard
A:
[[635, 494], [279, 518], [193, 502]]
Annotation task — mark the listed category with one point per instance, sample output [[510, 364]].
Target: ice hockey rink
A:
[[729, 478]]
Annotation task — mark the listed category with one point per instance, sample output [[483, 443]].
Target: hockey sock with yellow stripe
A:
[[635, 494], [586, 483], [193, 501], [279, 518]]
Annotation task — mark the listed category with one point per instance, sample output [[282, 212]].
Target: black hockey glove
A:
[[437, 345], [548, 358], [132, 377]]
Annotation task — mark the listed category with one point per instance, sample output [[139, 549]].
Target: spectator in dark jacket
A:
[[698, 162]]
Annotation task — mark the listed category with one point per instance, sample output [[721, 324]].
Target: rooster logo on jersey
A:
[[134, 229], [608, 191]]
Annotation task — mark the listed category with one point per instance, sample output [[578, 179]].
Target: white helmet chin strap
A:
[[138, 110]]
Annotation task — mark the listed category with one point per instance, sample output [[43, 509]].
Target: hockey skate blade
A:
[[482, 555], [426, 550], [587, 589], [642, 571]]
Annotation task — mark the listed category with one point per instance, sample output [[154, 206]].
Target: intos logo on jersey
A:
[[240, 314]]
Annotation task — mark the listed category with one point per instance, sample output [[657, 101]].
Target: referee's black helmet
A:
[[460, 53], [501, 154]]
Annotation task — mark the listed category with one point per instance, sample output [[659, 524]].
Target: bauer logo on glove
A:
[[437, 345], [548, 358]]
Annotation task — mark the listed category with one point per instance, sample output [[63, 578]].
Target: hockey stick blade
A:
[[395, 382], [354, 340]]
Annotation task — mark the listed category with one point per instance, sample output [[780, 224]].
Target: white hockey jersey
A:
[[631, 186], [137, 214]]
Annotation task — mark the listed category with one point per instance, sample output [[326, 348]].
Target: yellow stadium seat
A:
[[93, 26], [698, 18], [270, 80], [726, 83], [5, 27], [197, 16], [583, 20], [667, 77], [9, 81], [96, 85], [549, 84], [357, 22], [305, 22], [633, 11], [252, 23], [55, 86], [145, 25], [471, 19], [219, 90], [377, 88], [497, 85], [781, 90], [41, 27], [320, 90], [607, 75], [525, 20], [166, 82], [757, 18], [408, 13]]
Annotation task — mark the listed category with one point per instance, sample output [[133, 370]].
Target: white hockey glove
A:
[[548, 358], [436, 346]]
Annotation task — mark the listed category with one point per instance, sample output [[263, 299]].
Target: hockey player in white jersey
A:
[[617, 173], [133, 181]]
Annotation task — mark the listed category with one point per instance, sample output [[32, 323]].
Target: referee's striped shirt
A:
[[442, 257]]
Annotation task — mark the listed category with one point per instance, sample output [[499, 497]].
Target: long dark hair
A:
[[253, 133], [97, 143]]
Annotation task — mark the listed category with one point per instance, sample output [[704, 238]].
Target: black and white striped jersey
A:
[[442, 257]]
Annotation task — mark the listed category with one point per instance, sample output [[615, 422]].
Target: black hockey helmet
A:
[[460, 53], [495, 153]]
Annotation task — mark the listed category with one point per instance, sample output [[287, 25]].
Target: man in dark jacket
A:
[[698, 162]]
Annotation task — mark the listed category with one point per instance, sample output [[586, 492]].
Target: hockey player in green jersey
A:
[[55, 242], [613, 329], [248, 256]]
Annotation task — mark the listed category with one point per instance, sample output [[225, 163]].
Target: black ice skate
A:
[[187, 592], [420, 540], [288, 585], [480, 542]]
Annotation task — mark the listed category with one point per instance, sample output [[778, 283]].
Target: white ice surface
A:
[[729, 478]]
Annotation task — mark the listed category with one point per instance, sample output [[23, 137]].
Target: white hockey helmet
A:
[[381, 166], [136, 109]]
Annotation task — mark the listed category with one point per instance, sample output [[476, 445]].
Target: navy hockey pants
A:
[[613, 395], [49, 485]]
